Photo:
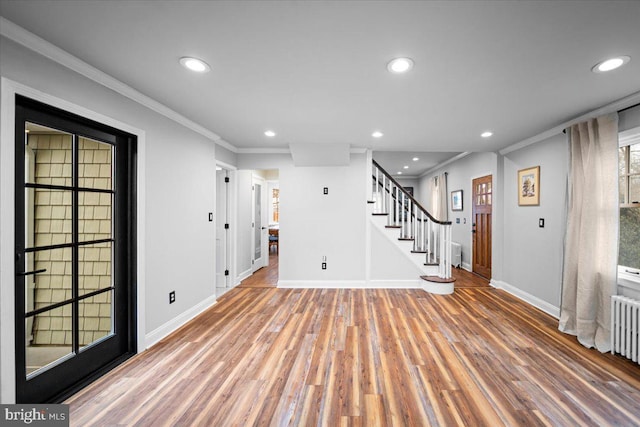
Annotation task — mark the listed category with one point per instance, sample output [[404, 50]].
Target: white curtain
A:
[[591, 242], [439, 197]]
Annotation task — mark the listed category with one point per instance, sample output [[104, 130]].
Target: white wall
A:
[[533, 255], [313, 225], [180, 187]]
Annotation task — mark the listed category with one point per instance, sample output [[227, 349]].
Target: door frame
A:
[[493, 186], [232, 217], [264, 223], [9, 90]]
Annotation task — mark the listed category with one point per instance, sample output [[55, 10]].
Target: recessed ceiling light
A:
[[399, 173], [405, 167], [486, 134], [270, 133], [400, 65], [610, 64], [415, 159], [377, 134], [194, 64]]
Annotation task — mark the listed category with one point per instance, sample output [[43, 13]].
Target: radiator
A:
[[625, 324], [456, 254]]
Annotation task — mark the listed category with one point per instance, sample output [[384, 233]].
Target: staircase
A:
[[425, 240]]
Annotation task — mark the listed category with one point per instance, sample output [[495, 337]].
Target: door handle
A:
[[29, 273]]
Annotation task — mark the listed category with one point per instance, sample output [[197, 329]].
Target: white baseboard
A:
[[467, 266], [158, 334], [243, 276], [527, 297], [328, 284]]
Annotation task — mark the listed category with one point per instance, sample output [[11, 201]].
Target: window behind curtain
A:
[[629, 187]]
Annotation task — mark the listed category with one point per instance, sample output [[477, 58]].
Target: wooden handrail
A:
[[385, 173]]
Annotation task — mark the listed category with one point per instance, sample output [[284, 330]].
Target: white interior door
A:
[[222, 233], [259, 224]]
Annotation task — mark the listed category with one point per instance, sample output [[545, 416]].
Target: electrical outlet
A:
[[324, 265], [172, 297]]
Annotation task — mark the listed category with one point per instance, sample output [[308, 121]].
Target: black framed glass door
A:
[[75, 250]]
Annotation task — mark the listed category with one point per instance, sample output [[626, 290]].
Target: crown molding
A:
[[446, 162], [41, 46], [263, 151], [615, 106]]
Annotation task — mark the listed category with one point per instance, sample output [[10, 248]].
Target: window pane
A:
[[47, 217], [96, 318], [47, 156], [51, 286], [94, 216], [48, 338], [622, 161], [95, 164], [634, 189], [634, 158], [629, 255], [94, 267]]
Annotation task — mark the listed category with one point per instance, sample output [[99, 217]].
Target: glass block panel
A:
[[95, 164], [48, 339], [95, 213], [95, 318], [48, 156], [94, 267]]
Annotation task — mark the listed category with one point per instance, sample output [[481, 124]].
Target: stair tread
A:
[[379, 214], [392, 226], [419, 252], [437, 279], [371, 201], [431, 263], [407, 239]]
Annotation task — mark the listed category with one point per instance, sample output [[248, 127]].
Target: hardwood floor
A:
[[266, 277], [268, 356]]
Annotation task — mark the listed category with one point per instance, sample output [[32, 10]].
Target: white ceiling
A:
[[315, 72]]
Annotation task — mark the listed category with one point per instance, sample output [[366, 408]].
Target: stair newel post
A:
[[397, 205], [376, 193], [429, 251], [448, 266], [441, 251], [384, 195], [414, 218], [403, 215]]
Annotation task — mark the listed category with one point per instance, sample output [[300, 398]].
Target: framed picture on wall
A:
[[456, 200], [529, 186]]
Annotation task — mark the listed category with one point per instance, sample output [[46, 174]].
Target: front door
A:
[[481, 225], [74, 251]]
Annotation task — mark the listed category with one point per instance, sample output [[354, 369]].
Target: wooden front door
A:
[[481, 225]]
